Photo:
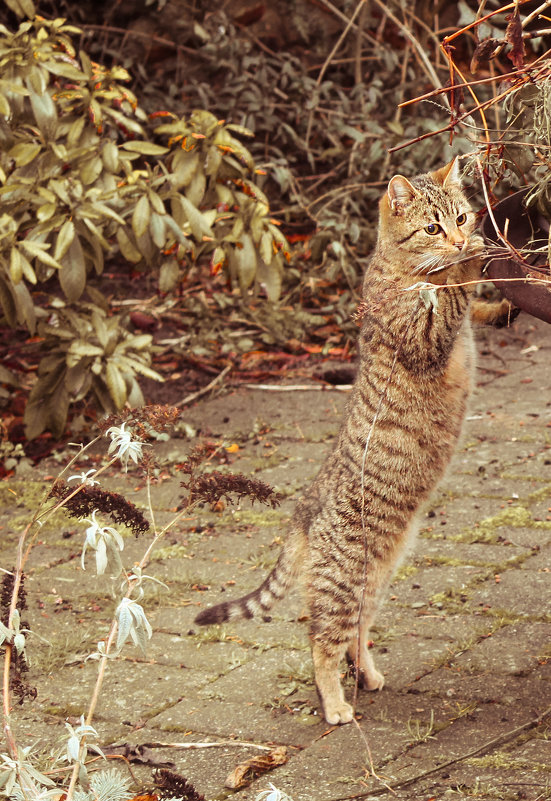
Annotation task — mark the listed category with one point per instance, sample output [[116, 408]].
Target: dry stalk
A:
[[329, 59]]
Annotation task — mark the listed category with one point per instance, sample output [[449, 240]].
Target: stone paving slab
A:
[[463, 636]]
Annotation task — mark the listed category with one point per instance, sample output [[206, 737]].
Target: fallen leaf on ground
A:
[[245, 772]]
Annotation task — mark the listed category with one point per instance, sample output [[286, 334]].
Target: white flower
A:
[[127, 447], [132, 623], [101, 538], [84, 478]]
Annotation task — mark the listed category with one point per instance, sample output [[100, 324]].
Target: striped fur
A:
[[402, 424]]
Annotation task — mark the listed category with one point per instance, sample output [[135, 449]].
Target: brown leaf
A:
[[244, 773], [513, 35], [484, 51]]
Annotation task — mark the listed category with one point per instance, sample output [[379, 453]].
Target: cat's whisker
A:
[[429, 264]]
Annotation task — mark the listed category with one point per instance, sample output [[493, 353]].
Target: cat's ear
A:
[[400, 191], [449, 175]]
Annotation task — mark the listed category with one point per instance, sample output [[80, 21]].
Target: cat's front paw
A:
[[340, 712]]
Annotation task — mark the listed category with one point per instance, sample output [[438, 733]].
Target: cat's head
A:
[[428, 222]]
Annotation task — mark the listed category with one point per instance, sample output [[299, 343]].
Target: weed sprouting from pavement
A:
[[87, 501]]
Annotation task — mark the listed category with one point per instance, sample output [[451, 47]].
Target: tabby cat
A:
[[403, 421]]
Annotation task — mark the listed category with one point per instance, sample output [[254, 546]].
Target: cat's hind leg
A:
[[359, 655], [327, 658]]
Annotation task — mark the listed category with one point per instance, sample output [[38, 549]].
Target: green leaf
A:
[[169, 275], [196, 220], [45, 112], [266, 247], [110, 156], [23, 8], [156, 202], [64, 239], [115, 384], [35, 419], [146, 148], [72, 274], [75, 131], [16, 268], [45, 212], [141, 216], [28, 272], [245, 261], [184, 165], [178, 233], [240, 129], [270, 276], [100, 327], [7, 302], [38, 79], [91, 170], [213, 160], [64, 70], [127, 247], [136, 342], [38, 250], [24, 153], [157, 229], [5, 108], [196, 188], [135, 395], [8, 378], [78, 380], [138, 367], [24, 305], [81, 349]]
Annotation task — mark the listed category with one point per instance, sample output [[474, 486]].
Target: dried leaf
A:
[[484, 52], [513, 35], [244, 773]]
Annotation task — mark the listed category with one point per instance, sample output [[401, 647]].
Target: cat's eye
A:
[[433, 229], [462, 219]]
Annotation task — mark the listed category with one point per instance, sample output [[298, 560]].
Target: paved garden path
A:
[[463, 638]]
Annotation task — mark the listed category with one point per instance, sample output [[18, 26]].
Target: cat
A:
[[403, 421]]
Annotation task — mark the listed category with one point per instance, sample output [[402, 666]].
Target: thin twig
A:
[[499, 740], [429, 69], [222, 744], [478, 21], [204, 390], [143, 35], [338, 13], [513, 74], [328, 60], [499, 234]]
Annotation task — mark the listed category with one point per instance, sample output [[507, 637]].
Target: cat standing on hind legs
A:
[[403, 421]]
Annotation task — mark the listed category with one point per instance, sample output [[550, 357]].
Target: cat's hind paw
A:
[[373, 681], [338, 713]]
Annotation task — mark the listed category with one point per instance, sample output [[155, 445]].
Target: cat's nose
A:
[[459, 244]]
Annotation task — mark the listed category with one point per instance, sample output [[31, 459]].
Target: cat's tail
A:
[[261, 600]]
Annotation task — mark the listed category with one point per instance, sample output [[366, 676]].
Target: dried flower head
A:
[[172, 785], [18, 663], [211, 487], [157, 417], [6, 592], [197, 456], [121, 511]]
